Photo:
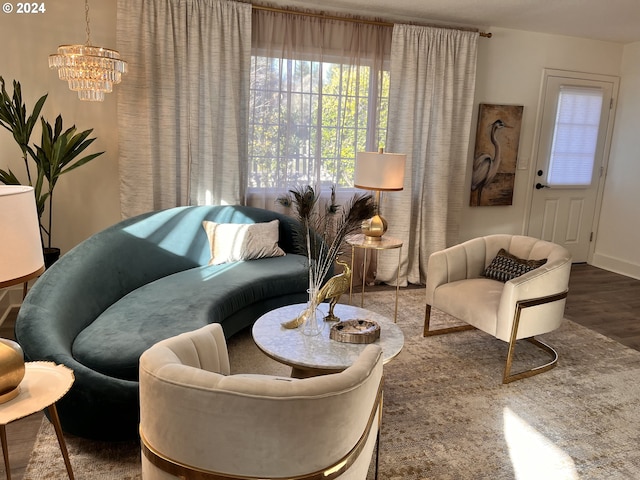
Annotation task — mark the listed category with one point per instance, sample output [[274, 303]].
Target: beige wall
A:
[[510, 67], [618, 240], [87, 199], [509, 71]]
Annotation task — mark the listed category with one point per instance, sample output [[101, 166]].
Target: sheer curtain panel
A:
[[318, 95], [433, 73], [183, 109]]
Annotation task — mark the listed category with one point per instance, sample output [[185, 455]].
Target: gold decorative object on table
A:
[[321, 236], [11, 369], [334, 289], [355, 331]]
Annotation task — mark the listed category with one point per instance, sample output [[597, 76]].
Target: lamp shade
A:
[[20, 245], [379, 171]]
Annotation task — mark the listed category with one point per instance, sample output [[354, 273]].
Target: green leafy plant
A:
[[56, 155]]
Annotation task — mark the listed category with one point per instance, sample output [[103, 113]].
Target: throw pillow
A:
[[506, 266], [231, 242]]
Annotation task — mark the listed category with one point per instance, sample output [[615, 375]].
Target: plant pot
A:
[[51, 254]]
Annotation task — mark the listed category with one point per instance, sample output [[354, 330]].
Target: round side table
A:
[[44, 383], [385, 243]]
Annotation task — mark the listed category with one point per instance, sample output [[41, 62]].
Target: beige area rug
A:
[[447, 415]]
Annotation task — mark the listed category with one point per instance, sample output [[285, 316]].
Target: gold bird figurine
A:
[[333, 289]]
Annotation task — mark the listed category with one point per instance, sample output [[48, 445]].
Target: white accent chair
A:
[[199, 422], [528, 305]]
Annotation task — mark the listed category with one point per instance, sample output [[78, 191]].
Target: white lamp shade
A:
[[379, 171], [20, 245]]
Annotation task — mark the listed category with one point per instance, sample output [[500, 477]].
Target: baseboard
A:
[[616, 265], [10, 298]]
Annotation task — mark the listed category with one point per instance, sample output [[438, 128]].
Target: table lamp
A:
[[379, 172], [20, 260]]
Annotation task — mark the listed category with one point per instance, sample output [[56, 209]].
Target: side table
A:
[[44, 383], [385, 243]]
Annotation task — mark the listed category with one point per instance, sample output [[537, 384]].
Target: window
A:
[[575, 135], [318, 94], [308, 119]]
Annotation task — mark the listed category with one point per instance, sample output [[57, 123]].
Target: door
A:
[[574, 131]]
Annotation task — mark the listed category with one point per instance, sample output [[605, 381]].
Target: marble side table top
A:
[[302, 352]]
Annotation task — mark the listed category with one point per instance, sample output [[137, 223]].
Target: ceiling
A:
[[608, 20]]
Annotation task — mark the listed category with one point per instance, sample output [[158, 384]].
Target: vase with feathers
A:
[[321, 237]]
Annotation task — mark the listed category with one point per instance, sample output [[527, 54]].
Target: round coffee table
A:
[[317, 355]]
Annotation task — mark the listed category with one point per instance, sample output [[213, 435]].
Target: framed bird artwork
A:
[[495, 154]]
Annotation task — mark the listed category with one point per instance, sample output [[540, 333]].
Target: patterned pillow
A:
[[506, 266]]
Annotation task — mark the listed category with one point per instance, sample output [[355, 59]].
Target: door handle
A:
[[540, 185]]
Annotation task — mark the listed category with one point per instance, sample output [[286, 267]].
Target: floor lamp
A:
[[20, 261], [379, 172]]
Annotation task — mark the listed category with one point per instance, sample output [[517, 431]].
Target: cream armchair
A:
[[199, 422], [530, 304]]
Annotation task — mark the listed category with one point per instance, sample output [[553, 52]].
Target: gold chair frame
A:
[[507, 376]]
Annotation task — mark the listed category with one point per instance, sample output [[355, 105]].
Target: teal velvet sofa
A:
[[138, 282]]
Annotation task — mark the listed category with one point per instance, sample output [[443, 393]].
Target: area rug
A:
[[447, 414]]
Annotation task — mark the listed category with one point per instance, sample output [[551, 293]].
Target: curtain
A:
[[317, 88], [431, 98], [182, 107]]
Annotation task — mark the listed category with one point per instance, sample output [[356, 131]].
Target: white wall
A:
[[509, 71], [618, 239], [87, 199]]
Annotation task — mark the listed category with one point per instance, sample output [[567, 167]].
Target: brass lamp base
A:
[[11, 369], [374, 228]]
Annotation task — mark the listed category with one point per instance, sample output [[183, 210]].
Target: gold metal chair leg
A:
[[441, 331], [5, 451], [507, 377], [53, 413]]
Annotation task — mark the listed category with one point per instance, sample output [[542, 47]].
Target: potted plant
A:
[[56, 155]]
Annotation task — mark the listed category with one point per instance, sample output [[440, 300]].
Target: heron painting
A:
[[495, 154]]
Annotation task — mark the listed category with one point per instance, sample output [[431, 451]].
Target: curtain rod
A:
[[348, 19]]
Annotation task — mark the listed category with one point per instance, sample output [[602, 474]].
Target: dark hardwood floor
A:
[[603, 301]]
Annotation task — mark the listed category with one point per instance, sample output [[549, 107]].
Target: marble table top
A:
[[292, 347]]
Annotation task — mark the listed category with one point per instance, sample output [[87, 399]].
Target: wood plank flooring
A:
[[603, 301]]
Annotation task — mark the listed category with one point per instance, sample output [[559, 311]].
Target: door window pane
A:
[[575, 136]]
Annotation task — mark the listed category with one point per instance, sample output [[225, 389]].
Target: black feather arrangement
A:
[[325, 228]]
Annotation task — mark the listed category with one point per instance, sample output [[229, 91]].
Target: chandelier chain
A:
[[86, 17]]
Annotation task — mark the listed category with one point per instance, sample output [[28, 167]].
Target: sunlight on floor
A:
[[533, 456]]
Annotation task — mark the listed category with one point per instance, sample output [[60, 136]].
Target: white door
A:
[[574, 130]]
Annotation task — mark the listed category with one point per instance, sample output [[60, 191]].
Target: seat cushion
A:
[[182, 302], [474, 300]]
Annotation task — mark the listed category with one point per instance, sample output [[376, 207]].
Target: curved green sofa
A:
[[138, 282]]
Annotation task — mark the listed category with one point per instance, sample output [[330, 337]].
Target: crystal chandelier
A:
[[90, 71]]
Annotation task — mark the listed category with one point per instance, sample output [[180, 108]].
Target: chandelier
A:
[[91, 71]]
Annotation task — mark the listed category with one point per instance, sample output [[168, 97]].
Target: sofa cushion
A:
[[182, 302], [505, 266], [231, 242]]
